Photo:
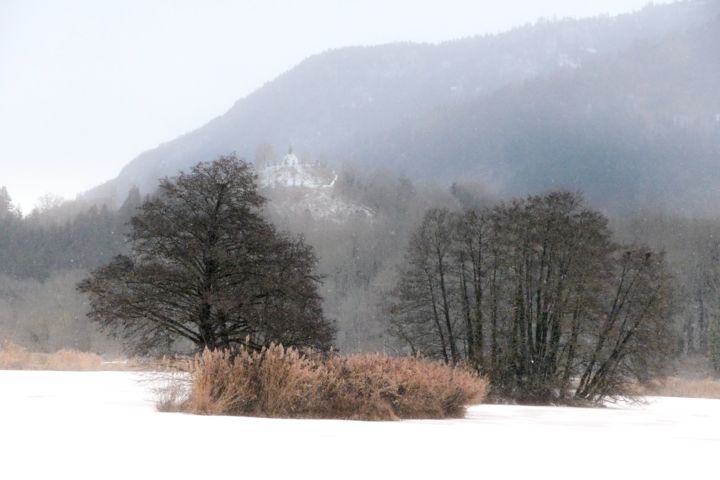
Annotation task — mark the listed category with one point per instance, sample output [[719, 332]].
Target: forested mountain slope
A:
[[336, 102], [640, 130]]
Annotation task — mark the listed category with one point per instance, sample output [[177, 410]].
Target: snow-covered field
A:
[[103, 425]]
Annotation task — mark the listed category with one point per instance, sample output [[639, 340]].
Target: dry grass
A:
[[15, 357], [382, 387], [279, 382], [682, 387], [168, 364]]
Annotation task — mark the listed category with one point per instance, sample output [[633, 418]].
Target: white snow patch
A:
[[296, 187], [90, 425], [326, 205], [291, 172]]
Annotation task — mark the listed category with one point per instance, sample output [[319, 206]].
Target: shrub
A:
[[279, 382]]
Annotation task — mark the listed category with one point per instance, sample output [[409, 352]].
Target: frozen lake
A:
[[103, 425]]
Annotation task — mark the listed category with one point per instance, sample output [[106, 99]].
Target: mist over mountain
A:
[[559, 103], [638, 130]]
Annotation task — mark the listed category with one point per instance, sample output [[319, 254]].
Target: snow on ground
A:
[[103, 425]]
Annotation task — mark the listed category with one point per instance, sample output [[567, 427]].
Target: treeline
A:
[[357, 258], [536, 294], [693, 253], [42, 257], [35, 246]]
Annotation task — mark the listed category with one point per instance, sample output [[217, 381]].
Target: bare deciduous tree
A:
[[569, 312], [207, 267]]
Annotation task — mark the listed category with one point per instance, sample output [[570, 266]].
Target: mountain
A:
[[338, 103], [634, 131]]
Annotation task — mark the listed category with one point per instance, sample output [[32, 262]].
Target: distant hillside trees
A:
[[40, 244], [6, 206], [536, 294], [205, 266], [41, 259], [49, 315], [10, 222], [693, 253], [701, 322]]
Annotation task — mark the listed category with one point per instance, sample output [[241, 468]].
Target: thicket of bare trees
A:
[[700, 320], [537, 295], [47, 316], [693, 253]]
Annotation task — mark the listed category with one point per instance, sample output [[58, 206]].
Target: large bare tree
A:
[[206, 266]]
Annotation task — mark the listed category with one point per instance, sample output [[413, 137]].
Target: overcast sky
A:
[[86, 85]]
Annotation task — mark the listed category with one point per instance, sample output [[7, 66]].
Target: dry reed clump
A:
[[15, 357], [279, 382], [683, 387], [274, 382]]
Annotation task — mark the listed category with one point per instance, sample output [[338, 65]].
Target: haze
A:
[[85, 86]]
